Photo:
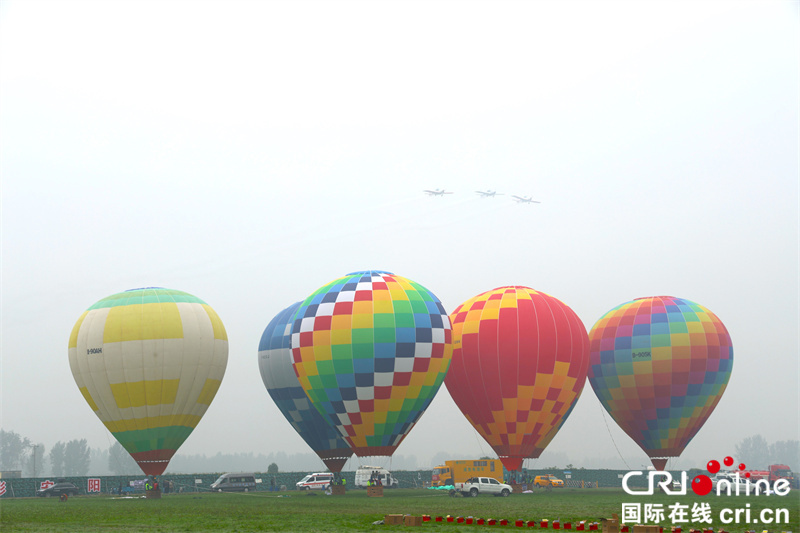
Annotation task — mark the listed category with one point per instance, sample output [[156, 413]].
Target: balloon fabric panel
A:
[[149, 362], [519, 362], [659, 366], [371, 350], [277, 372]]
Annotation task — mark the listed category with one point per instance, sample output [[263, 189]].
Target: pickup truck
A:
[[483, 485]]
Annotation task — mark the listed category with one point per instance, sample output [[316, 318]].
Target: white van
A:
[[365, 473], [316, 480], [234, 483]]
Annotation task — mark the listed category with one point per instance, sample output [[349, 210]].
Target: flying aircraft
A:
[[486, 194], [525, 199], [436, 192]]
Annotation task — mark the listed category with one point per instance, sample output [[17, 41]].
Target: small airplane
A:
[[525, 199], [487, 194], [436, 192]]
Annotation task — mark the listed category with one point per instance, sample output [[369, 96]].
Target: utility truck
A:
[[452, 472], [773, 474]]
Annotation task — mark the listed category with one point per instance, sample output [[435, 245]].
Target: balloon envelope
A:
[[371, 350], [149, 363], [277, 372], [659, 366], [519, 364]]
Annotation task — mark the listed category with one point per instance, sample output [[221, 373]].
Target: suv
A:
[[60, 488], [547, 481]]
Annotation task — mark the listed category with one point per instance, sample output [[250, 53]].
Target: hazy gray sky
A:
[[250, 152]]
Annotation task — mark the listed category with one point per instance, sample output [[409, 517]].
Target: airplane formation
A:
[[484, 194]]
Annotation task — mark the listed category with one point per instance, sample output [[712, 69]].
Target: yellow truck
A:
[[452, 472]]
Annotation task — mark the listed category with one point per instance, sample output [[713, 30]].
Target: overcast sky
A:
[[250, 152]]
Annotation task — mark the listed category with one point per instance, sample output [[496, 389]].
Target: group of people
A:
[[151, 483], [375, 479]]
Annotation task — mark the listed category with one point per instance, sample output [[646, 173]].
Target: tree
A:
[[12, 450], [34, 463], [57, 458], [98, 462], [120, 461], [753, 452], [786, 452], [272, 468], [76, 458]]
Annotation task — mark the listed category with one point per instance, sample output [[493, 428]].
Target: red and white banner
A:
[[93, 485]]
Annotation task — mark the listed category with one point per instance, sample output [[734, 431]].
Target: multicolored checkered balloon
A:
[[519, 364], [277, 372], [371, 350], [148, 362], [659, 366]]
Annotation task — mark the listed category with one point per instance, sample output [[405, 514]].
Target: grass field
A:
[[294, 511]]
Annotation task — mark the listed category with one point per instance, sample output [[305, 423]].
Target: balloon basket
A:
[[152, 494], [338, 490], [516, 488], [375, 492]]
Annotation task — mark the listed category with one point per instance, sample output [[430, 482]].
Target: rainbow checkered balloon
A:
[[149, 362], [277, 371], [371, 350], [659, 366]]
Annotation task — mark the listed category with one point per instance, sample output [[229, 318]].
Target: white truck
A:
[[376, 473], [483, 485]]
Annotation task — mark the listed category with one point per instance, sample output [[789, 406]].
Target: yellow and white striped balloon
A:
[[149, 362]]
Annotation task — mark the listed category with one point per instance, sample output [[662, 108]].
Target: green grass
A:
[[294, 511]]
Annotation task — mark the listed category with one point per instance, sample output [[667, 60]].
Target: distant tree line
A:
[[756, 453], [65, 459], [76, 458]]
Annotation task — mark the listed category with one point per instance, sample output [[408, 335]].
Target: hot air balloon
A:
[[149, 362], [519, 364], [659, 366], [371, 350], [277, 372]]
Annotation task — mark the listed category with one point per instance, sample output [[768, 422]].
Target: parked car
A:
[[483, 485], [62, 487], [548, 481], [317, 480], [242, 482]]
